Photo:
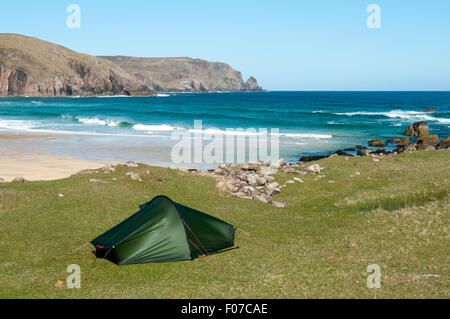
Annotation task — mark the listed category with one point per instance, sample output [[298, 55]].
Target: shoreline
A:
[[34, 164]]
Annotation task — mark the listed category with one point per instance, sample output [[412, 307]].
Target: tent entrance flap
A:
[[163, 230]]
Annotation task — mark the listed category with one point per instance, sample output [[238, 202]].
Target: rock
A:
[[278, 164], [314, 168], [2, 180], [109, 167], [19, 179], [429, 111], [273, 185], [290, 182], [367, 152], [331, 181], [134, 176], [192, 170], [411, 147], [260, 181], [251, 179], [239, 195], [60, 195], [269, 178], [377, 143], [250, 167], [131, 164], [360, 147], [267, 170], [252, 85], [428, 140], [342, 153], [444, 143], [278, 204], [260, 198], [311, 158], [403, 141], [298, 180], [417, 129], [351, 149], [95, 180], [218, 171], [393, 140], [375, 159]]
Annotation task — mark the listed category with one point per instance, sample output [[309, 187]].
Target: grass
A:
[[395, 213]]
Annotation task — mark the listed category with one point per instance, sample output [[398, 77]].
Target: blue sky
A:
[[286, 45]]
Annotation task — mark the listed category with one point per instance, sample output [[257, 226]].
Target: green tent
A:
[[163, 230]]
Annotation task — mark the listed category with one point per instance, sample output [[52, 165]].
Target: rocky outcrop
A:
[[417, 129], [429, 140], [33, 67], [184, 74], [252, 85], [377, 143], [444, 143]]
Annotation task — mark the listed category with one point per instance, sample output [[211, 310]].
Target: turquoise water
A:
[[308, 122]]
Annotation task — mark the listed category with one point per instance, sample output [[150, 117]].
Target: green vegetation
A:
[[395, 213]]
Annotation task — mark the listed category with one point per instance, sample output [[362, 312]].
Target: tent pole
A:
[[73, 250], [250, 236]]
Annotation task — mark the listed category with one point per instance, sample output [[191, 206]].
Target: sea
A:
[[120, 128]]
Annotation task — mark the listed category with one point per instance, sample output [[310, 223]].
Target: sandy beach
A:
[[33, 165]]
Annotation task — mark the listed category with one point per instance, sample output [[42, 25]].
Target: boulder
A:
[[278, 164], [260, 198], [429, 111], [298, 179], [278, 204], [428, 140], [264, 170], [250, 167], [411, 147], [251, 179], [19, 179], [131, 164], [360, 147], [417, 129], [314, 168], [311, 158], [403, 141], [260, 181], [272, 186], [342, 153], [377, 143], [444, 143]]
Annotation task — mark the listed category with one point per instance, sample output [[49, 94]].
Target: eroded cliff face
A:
[[184, 74], [32, 67]]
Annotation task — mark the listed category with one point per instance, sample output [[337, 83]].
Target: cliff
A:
[[33, 67], [184, 74]]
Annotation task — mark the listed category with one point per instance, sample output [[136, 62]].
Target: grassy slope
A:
[[43, 59], [396, 211]]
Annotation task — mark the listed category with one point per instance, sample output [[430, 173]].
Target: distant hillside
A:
[[184, 74], [33, 67]]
